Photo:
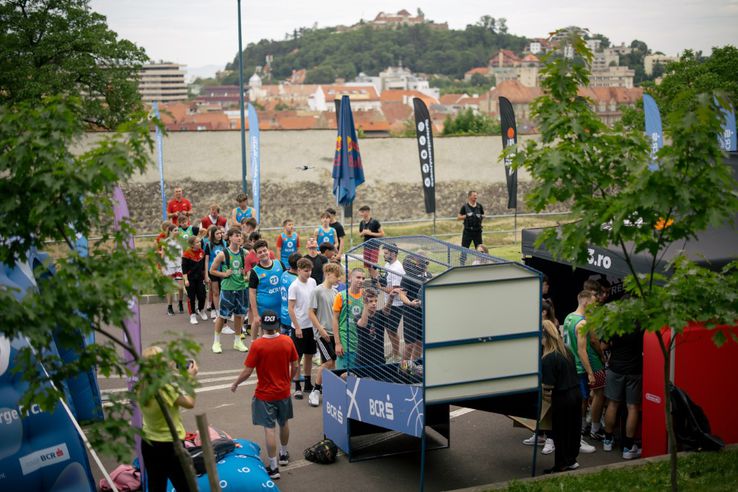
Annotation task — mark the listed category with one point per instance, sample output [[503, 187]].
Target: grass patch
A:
[[697, 472]]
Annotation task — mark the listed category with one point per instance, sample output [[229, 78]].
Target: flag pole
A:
[[434, 222], [243, 116]]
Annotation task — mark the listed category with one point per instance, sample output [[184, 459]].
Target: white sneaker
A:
[[203, 315], [585, 447], [314, 398], [227, 330], [193, 319], [549, 447], [632, 453], [532, 439], [213, 314], [238, 345]]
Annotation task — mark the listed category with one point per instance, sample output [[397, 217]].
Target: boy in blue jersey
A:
[[242, 211], [288, 242], [264, 285], [325, 233]]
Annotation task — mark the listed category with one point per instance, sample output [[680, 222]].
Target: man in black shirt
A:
[[624, 382], [317, 259], [472, 213], [340, 232], [370, 228]]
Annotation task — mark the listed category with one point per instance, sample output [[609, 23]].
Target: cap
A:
[[269, 319]]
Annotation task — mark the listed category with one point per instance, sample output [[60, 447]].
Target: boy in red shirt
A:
[[275, 359]]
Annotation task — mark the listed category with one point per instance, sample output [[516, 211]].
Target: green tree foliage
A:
[[694, 74], [62, 47], [369, 50], [469, 123], [616, 200], [478, 84], [53, 193]]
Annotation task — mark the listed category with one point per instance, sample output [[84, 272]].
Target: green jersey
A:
[[351, 308], [234, 261], [570, 339]]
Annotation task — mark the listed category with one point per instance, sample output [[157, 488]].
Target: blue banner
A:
[[160, 162], [397, 407], [348, 172], [653, 128], [335, 425], [727, 139], [255, 154]]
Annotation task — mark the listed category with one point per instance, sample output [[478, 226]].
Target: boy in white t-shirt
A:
[[298, 298]]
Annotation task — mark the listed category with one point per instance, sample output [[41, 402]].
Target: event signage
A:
[[728, 140], [654, 130], [509, 138], [255, 158], [398, 407], [335, 425], [424, 134]]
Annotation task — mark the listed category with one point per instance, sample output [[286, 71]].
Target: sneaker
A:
[[607, 444], [193, 319], [273, 473], [573, 466], [170, 311], [217, 349], [313, 399], [203, 315], [227, 330], [298, 394], [238, 345], [586, 429], [585, 447], [213, 314], [632, 453], [532, 439], [549, 447], [181, 307], [284, 459], [597, 436]]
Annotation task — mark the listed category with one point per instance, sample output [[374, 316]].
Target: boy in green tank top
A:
[[233, 289], [347, 307]]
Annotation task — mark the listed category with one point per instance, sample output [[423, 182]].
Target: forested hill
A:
[[328, 54]]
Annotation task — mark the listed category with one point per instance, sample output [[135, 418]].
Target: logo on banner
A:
[[425, 166], [381, 409], [726, 141], [599, 260], [44, 457]]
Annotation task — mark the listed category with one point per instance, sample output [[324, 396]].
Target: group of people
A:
[[586, 380]]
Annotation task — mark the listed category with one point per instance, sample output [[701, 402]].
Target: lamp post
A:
[[243, 116]]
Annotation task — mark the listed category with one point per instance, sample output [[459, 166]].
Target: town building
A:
[[162, 82], [649, 61], [505, 65]]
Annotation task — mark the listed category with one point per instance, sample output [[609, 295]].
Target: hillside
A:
[[327, 53]]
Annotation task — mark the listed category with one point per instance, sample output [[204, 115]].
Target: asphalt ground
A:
[[484, 447]]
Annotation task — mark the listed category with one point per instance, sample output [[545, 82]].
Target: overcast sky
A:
[[205, 32]]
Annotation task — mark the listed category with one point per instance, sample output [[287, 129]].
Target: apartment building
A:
[[162, 82]]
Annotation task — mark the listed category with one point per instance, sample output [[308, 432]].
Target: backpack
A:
[[228, 254], [125, 477], [691, 426], [221, 447], [323, 452]]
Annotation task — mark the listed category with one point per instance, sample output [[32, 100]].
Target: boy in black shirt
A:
[[370, 228]]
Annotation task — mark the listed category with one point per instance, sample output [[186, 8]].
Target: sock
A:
[[272, 462], [608, 436], [282, 449], [584, 423], [308, 384], [627, 442], [216, 337], [596, 426], [298, 386], [319, 387]]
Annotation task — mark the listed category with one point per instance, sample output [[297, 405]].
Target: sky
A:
[[203, 34]]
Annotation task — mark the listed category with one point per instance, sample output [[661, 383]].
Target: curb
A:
[[582, 471], [151, 299]]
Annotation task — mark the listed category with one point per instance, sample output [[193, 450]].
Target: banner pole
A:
[[434, 222], [515, 226]]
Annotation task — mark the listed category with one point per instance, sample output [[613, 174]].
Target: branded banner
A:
[[653, 128], [348, 172], [335, 425], [728, 141], [509, 137], [424, 134], [160, 162], [255, 154], [397, 407]]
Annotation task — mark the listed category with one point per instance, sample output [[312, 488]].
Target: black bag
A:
[[221, 447], [691, 426], [323, 452]]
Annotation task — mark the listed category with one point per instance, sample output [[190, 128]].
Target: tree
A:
[[694, 74], [62, 47], [616, 200], [487, 22], [469, 123], [54, 194]]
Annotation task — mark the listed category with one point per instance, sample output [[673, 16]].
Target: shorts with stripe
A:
[[327, 349], [233, 302]]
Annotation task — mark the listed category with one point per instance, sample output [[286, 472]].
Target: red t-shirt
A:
[[251, 259], [206, 222], [176, 206], [272, 357]]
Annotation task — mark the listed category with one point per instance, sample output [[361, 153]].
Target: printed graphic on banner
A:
[[509, 138], [396, 407], [255, 158], [424, 134], [728, 139], [654, 130], [44, 457], [335, 425]]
